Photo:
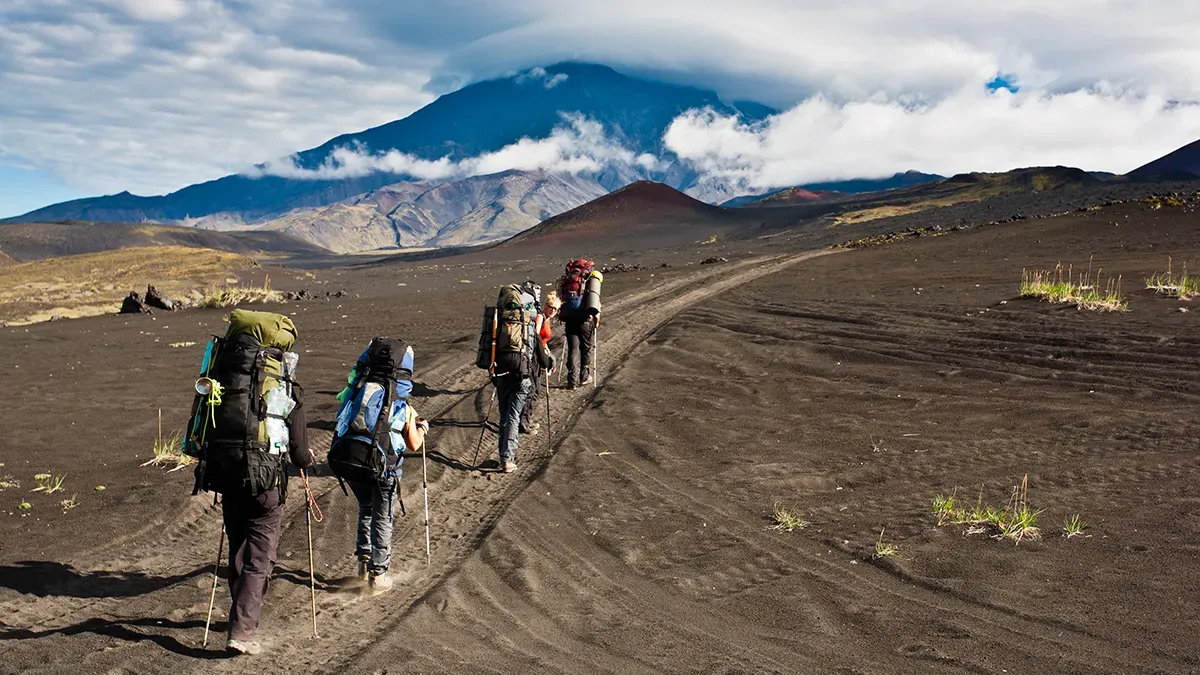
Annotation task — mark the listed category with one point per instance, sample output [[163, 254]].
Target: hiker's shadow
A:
[[124, 629], [435, 456], [301, 578], [45, 578], [421, 390], [463, 424]]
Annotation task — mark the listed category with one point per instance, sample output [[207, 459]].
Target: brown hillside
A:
[[644, 207], [6, 260], [35, 241]]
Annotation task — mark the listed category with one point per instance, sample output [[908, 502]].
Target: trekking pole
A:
[[309, 505], [549, 433], [212, 598], [484, 429], [563, 360], [595, 352], [425, 487]]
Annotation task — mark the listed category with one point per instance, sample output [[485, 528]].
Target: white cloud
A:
[[972, 130], [580, 147], [539, 74], [151, 95]]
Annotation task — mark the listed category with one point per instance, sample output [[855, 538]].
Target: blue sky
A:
[[152, 95], [23, 190]]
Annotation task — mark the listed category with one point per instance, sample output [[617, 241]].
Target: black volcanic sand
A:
[[851, 387]]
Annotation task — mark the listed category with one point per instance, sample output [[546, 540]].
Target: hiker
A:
[[549, 310], [369, 458], [133, 304], [579, 313], [511, 351], [248, 422]]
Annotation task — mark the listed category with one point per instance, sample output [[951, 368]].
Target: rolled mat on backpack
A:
[[591, 293]]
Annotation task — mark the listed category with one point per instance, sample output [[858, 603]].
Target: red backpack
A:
[[571, 287]]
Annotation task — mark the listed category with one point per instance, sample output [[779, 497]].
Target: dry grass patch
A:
[[1182, 286], [1061, 285], [232, 295], [95, 283], [787, 520]]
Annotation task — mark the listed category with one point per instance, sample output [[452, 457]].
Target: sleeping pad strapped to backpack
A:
[[238, 431], [368, 443], [507, 338]]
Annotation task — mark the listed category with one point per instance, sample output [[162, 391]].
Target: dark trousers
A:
[[252, 527], [529, 412], [579, 341], [512, 391]]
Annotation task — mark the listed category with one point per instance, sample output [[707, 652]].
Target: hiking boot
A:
[[510, 466], [381, 582], [364, 567], [248, 647], [587, 377], [533, 429], [570, 384]]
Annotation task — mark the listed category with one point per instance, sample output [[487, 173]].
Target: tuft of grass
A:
[[944, 506], [47, 483], [1073, 526], [1016, 520], [1166, 283], [1021, 521], [24, 505], [177, 345], [168, 451], [68, 504], [883, 550], [99, 488], [7, 482], [787, 520], [232, 295], [1061, 285]]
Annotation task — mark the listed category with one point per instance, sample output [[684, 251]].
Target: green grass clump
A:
[[883, 550], [1166, 283], [1074, 526], [1060, 285], [168, 451], [7, 482], [1015, 521], [24, 505], [68, 504], [787, 520], [47, 483]]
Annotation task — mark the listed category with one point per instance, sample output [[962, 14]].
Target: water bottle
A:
[[279, 406]]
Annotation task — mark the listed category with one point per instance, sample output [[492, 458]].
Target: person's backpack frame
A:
[[361, 451]]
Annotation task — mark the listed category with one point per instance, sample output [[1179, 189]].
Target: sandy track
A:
[[174, 558]]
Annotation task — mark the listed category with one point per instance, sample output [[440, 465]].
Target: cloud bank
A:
[[579, 147], [973, 130], [151, 95]]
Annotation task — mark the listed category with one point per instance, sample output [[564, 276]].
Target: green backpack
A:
[[238, 429]]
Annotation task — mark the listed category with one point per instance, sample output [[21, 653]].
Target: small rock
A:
[[1183, 309]]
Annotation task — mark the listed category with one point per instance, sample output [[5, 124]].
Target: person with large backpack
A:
[[375, 425], [547, 311], [247, 421], [579, 289], [511, 352]]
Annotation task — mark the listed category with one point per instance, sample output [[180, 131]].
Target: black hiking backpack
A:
[[368, 444], [508, 335], [246, 391]]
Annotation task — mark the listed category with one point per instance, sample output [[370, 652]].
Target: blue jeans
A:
[[376, 500], [512, 391]]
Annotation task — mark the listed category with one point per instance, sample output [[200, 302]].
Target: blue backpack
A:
[[367, 445]]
